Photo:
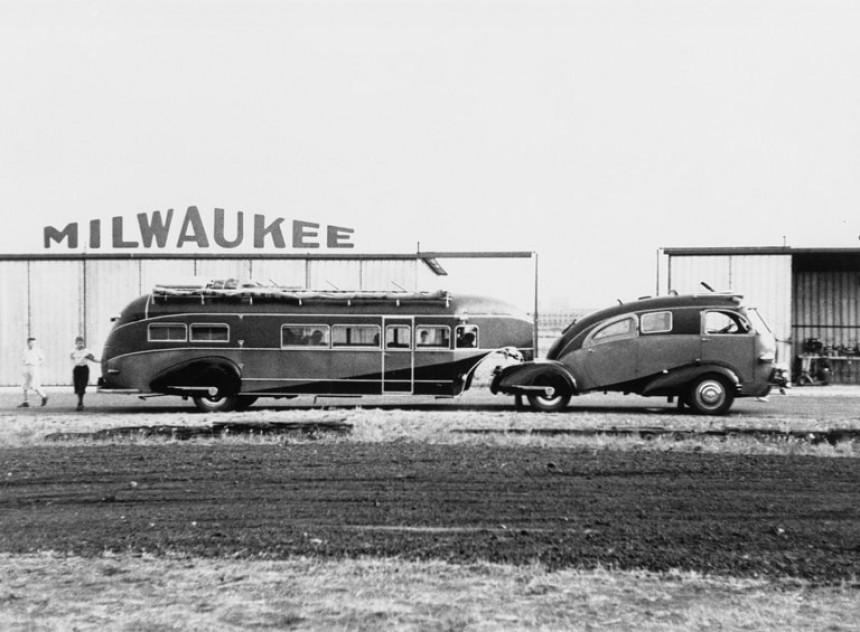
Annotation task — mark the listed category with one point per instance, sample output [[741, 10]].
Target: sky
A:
[[593, 133]]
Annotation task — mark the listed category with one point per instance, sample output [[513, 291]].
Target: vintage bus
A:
[[224, 344]]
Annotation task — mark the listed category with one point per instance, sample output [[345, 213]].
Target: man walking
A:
[[33, 359]]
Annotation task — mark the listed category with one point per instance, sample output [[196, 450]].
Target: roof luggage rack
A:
[[231, 288]]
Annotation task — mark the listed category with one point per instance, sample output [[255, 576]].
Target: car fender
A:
[[510, 378], [685, 375]]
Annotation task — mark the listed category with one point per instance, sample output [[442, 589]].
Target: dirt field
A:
[[465, 483], [737, 515], [406, 483]]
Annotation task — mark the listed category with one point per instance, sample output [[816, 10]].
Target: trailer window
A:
[[466, 336], [355, 336], [304, 335], [167, 332], [433, 337], [398, 337], [210, 333], [656, 322]]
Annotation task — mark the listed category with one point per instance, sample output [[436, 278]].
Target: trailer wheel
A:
[[557, 401], [224, 399], [710, 396], [216, 403]]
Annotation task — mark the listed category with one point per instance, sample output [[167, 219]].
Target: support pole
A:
[[536, 333]]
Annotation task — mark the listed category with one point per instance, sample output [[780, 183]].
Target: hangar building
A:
[[810, 296]]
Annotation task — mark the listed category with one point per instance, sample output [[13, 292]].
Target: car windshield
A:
[[758, 322]]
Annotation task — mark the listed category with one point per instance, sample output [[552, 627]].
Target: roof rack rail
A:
[[230, 288]]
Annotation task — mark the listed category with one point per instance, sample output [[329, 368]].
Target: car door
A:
[[668, 340], [608, 355], [728, 339]]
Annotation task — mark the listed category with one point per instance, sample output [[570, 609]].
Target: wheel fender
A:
[[194, 373], [681, 377], [529, 374]]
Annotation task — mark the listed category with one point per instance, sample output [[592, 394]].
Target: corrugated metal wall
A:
[[56, 314], [764, 280], [686, 274], [56, 300], [827, 307], [14, 318]]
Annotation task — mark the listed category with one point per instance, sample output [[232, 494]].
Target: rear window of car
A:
[[625, 328]]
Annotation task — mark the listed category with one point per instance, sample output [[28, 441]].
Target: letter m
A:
[[70, 232]]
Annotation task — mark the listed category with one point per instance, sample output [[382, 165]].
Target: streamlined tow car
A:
[[704, 349], [225, 344]]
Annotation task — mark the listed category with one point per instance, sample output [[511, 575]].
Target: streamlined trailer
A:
[[225, 344], [704, 349]]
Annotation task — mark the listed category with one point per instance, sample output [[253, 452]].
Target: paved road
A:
[[834, 403]]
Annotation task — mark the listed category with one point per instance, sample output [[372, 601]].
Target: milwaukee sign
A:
[[169, 230]]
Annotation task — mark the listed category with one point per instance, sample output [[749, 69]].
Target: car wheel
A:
[[557, 401], [710, 396]]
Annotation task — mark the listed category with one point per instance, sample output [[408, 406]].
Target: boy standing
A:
[[81, 356]]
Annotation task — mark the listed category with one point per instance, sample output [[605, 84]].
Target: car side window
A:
[[656, 322], [616, 330], [717, 323]]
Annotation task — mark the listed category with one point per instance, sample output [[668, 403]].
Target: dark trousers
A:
[[80, 378]]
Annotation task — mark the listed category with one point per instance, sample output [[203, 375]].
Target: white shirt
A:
[[33, 357], [80, 357]]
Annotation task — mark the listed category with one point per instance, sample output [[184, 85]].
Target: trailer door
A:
[[398, 364]]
